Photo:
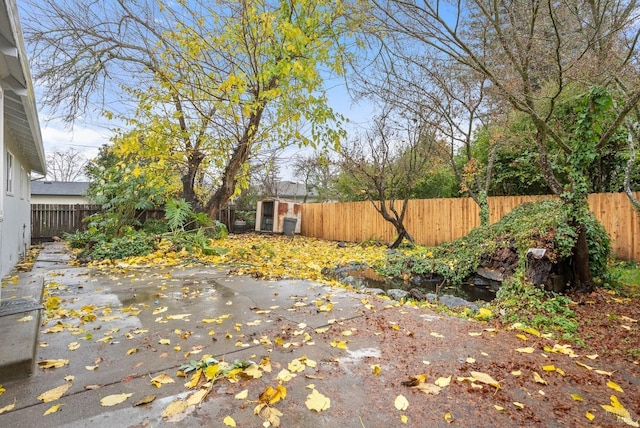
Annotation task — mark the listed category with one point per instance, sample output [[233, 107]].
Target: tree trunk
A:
[[582, 279], [402, 234], [189, 178], [238, 158]]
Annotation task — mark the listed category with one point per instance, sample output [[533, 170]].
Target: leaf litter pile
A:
[[390, 365]]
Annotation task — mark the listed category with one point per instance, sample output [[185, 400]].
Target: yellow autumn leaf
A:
[[7, 408], [52, 409], [549, 368], [404, 419], [584, 365], [115, 399], [518, 405], [516, 373], [296, 366], [527, 350], [161, 379], [73, 346], [197, 397], [228, 421], [485, 378], [273, 395], [401, 403], [91, 368], [2, 389], [443, 381], [539, 379], [174, 408], [54, 394], [611, 384], [211, 371], [132, 351], [498, 408], [434, 334], [577, 397], [318, 402], [52, 364], [160, 310], [25, 319], [616, 408], [376, 369], [242, 394], [448, 417], [253, 371], [195, 378], [340, 344], [178, 316], [590, 416], [164, 341]]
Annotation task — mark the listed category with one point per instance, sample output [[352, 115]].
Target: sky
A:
[[87, 135]]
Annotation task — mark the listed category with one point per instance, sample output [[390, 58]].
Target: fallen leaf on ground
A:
[[54, 394], [611, 384], [52, 364], [228, 421], [415, 380], [318, 402], [145, 400], [528, 350], [429, 388], [539, 379], [272, 395], [8, 407], [443, 381], [112, 400], [376, 369], [52, 409], [197, 397], [25, 319], [485, 378], [401, 402], [616, 408], [242, 394], [161, 379], [174, 408]]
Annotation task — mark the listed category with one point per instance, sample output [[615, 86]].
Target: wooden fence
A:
[[433, 221], [49, 220]]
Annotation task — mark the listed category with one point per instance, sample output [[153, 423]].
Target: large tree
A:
[[531, 54], [211, 82]]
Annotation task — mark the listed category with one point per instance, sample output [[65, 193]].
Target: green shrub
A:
[[133, 243]]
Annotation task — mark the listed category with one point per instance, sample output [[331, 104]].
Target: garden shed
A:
[[276, 215]]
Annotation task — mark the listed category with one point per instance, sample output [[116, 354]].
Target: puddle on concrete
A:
[[370, 279]]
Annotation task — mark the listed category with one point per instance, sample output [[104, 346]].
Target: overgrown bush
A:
[[133, 243], [540, 224]]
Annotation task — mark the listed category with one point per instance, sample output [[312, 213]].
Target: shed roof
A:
[[59, 188]]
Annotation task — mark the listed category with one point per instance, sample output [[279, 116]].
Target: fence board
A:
[[434, 221]]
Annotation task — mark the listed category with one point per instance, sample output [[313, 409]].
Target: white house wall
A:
[[15, 230], [59, 200]]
